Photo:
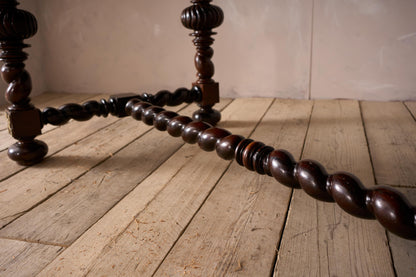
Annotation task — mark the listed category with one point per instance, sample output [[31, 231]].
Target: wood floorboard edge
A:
[[284, 210], [72, 180], [34, 242], [364, 127], [278, 246], [406, 105], [318, 262], [97, 164], [212, 189], [58, 151], [231, 101], [61, 149], [87, 97], [147, 175]]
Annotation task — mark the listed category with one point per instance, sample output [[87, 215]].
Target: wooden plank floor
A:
[[115, 197]]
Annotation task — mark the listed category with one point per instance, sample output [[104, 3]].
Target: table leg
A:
[[24, 119], [202, 17]]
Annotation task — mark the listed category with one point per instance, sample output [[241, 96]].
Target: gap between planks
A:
[[236, 231], [41, 101], [51, 221], [64, 133], [178, 199], [320, 239], [39, 182]]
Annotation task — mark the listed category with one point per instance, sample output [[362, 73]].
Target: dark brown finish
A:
[[87, 110], [24, 119], [202, 17], [179, 96], [385, 204], [191, 132], [116, 105]]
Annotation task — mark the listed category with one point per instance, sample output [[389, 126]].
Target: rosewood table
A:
[[385, 204]]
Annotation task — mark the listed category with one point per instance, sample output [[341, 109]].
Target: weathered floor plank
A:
[[411, 105], [57, 139], [239, 226], [190, 218], [391, 134], [67, 214], [31, 186], [394, 159], [146, 231], [404, 251], [20, 258], [48, 99], [319, 238], [3, 120], [43, 100]]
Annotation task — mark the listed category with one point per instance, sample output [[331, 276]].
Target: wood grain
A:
[[391, 134], [19, 258], [23, 191], [319, 238], [165, 203], [237, 230], [404, 251], [228, 218], [3, 120], [411, 105], [58, 138], [43, 100], [66, 215]]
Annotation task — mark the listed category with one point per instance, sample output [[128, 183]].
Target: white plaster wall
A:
[[263, 48], [99, 46], [34, 64], [362, 49]]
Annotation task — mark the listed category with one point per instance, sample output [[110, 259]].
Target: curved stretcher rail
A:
[[383, 203]]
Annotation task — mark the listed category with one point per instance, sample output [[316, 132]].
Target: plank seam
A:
[[189, 222], [33, 241], [274, 265], [54, 127], [72, 180], [375, 180], [408, 109], [367, 142], [397, 186], [391, 253], [56, 152], [144, 178], [51, 154], [210, 192]]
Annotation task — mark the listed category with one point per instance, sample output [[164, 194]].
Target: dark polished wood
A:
[[24, 119], [116, 105], [202, 17], [385, 204]]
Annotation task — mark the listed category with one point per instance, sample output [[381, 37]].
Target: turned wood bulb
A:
[[202, 16], [16, 24]]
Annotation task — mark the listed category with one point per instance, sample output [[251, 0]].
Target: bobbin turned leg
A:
[[202, 17], [24, 119]]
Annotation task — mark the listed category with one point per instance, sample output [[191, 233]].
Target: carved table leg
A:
[[24, 119], [202, 17]]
